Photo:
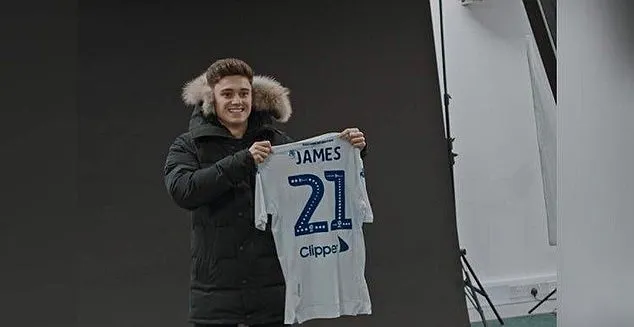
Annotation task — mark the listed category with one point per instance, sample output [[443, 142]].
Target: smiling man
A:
[[210, 170]]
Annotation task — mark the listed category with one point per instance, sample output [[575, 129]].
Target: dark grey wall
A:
[[38, 138], [372, 66]]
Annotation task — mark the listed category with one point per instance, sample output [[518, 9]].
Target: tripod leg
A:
[[473, 297], [481, 289], [542, 301]]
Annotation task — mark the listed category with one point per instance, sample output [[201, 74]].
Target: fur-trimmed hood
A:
[[268, 96]]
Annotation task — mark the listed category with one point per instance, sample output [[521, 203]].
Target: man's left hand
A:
[[354, 136]]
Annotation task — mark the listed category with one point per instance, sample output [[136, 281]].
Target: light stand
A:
[[542, 301], [471, 290]]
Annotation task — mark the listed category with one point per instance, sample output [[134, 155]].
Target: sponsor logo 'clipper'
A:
[[323, 250]]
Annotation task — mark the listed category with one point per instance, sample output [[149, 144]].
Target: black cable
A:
[[444, 69], [446, 98]]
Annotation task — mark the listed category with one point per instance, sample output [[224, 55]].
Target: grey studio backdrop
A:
[[346, 64]]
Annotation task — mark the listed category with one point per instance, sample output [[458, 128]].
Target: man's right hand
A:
[[260, 151]]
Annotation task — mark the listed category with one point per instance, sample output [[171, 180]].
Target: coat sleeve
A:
[[191, 186]]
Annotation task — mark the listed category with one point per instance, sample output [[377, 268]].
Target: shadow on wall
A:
[[621, 18], [502, 18]]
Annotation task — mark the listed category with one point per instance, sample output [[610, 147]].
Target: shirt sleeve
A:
[[363, 203], [261, 212]]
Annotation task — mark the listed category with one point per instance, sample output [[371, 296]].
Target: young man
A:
[[210, 170]]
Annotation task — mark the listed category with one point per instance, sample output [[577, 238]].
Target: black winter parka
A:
[[235, 273]]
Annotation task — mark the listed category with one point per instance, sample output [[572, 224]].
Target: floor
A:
[[537, 320]]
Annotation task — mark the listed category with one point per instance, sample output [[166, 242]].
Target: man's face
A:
[[233, 98]]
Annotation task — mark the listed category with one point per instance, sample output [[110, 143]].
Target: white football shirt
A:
[[316, 195]]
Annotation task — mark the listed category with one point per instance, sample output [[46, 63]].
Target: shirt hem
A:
[[330, 311]]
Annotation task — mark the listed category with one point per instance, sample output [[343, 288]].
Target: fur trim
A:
[[268, 95]]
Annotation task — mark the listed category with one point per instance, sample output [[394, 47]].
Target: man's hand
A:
[[260, 151], [354, 136]]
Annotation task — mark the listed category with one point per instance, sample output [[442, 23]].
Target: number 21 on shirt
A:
[[303, 226]]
